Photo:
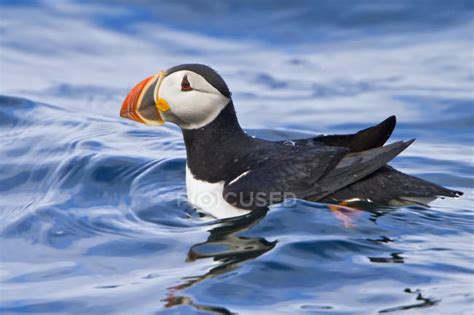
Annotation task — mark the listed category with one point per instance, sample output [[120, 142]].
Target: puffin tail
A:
[[388, 186]]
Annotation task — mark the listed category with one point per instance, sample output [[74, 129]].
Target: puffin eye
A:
[[185, 85]]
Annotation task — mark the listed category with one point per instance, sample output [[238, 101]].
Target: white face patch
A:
[[209, 198], [191, 109]]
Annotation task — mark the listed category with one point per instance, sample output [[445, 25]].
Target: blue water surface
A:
[[93, 211]]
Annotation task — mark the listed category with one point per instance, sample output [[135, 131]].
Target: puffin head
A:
[[189, 95]]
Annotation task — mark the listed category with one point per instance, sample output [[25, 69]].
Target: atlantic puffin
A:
[[229, 173]]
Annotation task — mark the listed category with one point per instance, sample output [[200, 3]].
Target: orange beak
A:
[[143, 104]]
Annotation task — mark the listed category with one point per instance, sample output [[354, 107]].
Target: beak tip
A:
[[124, 115], [126, 110]]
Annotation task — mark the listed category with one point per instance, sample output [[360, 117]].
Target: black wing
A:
[[274, 175], [366, 139], [304, 172]]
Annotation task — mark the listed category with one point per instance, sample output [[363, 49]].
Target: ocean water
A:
[[93, 212]]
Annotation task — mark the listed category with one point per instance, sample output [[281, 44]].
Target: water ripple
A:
[[93, 212]]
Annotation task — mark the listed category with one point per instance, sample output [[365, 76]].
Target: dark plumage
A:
[[366, 139], [387, 186], [325, 168], [244, 173]]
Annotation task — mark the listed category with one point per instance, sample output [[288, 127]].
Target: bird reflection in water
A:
[[422, 302], [225, 246]]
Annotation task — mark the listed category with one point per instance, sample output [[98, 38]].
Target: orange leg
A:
[[345, 213]]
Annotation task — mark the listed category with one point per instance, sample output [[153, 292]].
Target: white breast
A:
[[208, 197]]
